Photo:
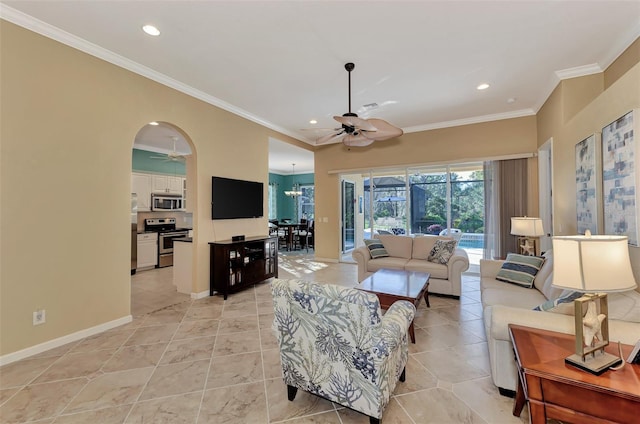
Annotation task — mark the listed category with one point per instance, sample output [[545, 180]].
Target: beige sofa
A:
[[505, 303], [410, 253]]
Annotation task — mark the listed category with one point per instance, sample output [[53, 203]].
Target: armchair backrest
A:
[[343, 310], [335, 343]]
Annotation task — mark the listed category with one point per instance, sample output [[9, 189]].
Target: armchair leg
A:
[[403, 376], [291, 392], [374, 420]]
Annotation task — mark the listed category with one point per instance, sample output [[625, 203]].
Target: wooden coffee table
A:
[[560, 391], [391, 285]]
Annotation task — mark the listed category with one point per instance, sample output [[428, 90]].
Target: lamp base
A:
[[597, 364]]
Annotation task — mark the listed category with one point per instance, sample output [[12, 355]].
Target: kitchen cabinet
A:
[[147, 250], [167, 184], [141, 185]]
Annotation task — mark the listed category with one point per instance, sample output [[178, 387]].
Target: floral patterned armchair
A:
[[335, 343]]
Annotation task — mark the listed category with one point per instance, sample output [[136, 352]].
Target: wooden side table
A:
[[560, 391]]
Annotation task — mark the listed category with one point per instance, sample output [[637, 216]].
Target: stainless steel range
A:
[[166, 229]]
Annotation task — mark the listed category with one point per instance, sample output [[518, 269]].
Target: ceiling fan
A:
[[356, 131], [172, 156]]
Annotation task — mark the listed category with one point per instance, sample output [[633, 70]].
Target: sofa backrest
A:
[[397, 246], [422, 245]]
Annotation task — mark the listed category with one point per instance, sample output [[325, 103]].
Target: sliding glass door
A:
[[348, 215], [444, 199]]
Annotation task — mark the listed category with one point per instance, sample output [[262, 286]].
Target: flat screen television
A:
[[234, 199]]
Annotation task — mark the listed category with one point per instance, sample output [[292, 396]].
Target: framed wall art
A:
[[620, 178], [588, 185]]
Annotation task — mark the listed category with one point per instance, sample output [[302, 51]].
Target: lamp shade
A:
[[592, 263], [527, 227]]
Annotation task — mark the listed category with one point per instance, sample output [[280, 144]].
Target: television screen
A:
[[233, 199]]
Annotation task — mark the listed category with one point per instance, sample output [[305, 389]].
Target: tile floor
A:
[[211, 361]]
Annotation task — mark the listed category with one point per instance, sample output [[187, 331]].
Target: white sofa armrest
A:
[[502, 316], [489, 268], [457, 264], [361, 256]]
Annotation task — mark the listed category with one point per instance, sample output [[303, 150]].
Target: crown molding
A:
[[578, 71], [473, 120], [29, 22]]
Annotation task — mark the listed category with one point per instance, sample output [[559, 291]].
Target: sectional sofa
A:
[[504, 303]]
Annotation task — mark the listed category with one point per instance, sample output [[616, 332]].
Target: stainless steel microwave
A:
[[166, 202]]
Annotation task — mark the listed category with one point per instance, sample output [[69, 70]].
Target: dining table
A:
[[290, 228]]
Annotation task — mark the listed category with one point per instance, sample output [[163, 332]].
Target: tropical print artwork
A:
[[335, 343]]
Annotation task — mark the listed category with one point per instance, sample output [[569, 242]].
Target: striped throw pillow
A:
[[376, 249], [520, 269]]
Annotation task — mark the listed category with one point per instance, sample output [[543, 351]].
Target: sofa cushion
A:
[[545, 271], [623, 306], [397, 246], [422, 245], [523, 298], [436, 270], [376, 249], [442, 251], [548, 290], [520, 269], [389, 263], [561, 305]]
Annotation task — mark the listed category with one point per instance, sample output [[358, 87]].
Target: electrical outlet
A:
[[39, 317]]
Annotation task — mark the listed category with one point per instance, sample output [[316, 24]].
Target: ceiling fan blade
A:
[[359, 140], [330, 138], [384, 131], [354, 121]]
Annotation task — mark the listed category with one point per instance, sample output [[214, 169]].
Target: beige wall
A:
[[619, 98], [458, 144], [68, 125], [68, 121]]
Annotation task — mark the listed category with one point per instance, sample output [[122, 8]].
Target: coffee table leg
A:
[[426, 298], [412, 333]]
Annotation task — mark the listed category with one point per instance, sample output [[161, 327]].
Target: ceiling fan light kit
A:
[[172, 156], [357, 131]]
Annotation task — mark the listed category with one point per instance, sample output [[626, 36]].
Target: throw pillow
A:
[[442, 251], [520, 269], [376, 249], [561, 305]]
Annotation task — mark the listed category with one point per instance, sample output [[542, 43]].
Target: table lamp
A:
[[528, 230], [594, 265]]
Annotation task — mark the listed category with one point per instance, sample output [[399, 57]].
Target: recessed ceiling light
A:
[[483, 86], [313, 122], [511, 100], [151, 30], [153, 123]]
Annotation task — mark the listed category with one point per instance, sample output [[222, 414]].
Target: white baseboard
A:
[[60, 341], [200, 295]]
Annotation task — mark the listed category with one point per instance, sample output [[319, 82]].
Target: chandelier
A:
[[295, 189]]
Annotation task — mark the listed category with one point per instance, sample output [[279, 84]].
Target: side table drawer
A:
[[587, 401]]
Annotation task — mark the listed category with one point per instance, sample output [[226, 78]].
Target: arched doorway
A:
[[163, 160]]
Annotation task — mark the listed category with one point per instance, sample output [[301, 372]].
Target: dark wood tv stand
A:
[[236, 265]]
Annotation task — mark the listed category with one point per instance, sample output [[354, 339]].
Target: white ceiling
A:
[[282, 63]]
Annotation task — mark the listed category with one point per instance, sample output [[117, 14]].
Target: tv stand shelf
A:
[[236, 265]]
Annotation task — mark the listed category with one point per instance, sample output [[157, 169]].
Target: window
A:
[[273, 201], [306, 202]]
